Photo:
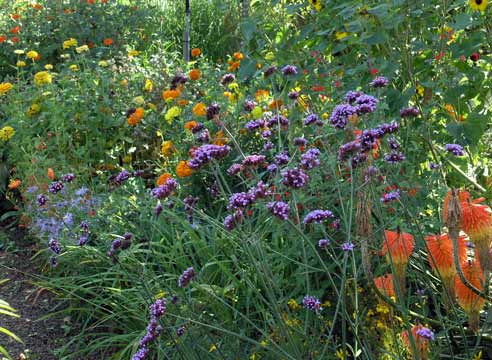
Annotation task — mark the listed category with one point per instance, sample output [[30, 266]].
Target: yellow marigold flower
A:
[[138, 100], [340, 35], [170, 94], [200, 109], [151, 106], [48, 67], [316, 4], [33, 109], [103, 63], [42, 78], [5, 87], [196, 52], [478, 5], [167, 148], [149, 85], [172, 113], [6, 133], [82, 49], [133, 53], [67, 44], [32, 54], [20, 63], [136, 116], [73, 67]]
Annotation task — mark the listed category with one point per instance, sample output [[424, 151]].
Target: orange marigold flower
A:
[[3, 38], [14, 184], [195, 74], [200, 109], [275, 104], [135, 116], [108, 42], [421, 343], [196, 52], [51, 174], [470, 302], [183, 102], [15, 30], [386, 285], [234, 66], [171, 94], [238, 56], [190, 125], [161, 180], [262, 94], [183, 170]]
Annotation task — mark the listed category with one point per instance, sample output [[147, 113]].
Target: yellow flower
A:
[[5, 87], [151, 106], [420, 90], [20, 63], [257, 112], [33, 109], [269, 56], [316, 4], [74, 67], [67, 44], [48, 67], [149, 85], [32, 54], [478, 5], [133, 53], [160, 295], [6, 133], [340, 35], [82, 49], [65, 56], [139, 100], [293, 304], [103, 63], [172, 113], [167, 148], [42, 78], [212, 348], [200, 109]]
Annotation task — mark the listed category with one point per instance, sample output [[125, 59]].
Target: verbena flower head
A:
[[158, 308], [425, 333], [379, 81], [280, 209], [455, 149], [186, 277], [165, 190], [317, 216], [312, 119], [289, 70], [309, 160], [270, 71], [123, 176], [240, 200], [227, 79], [68, 178], [390, 196], [41, 200], [409, 112], [55, 187], [212, 111], [205, 153], [312, 303], [341, 114], [322, 243], [295, 178], [394, 157], [365, 104], [348, 246]]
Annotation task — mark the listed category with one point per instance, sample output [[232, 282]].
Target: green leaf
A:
[[462, 21], [249, 28], [379, 11], [11, 334]]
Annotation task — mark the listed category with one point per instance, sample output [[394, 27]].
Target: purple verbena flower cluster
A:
[[312, 303], [455, 149], [317, 216], [294, 178], [280, 209], [163, 191], [157, 310], [379, 81], [205, 153], [186, 277], [310, 159]]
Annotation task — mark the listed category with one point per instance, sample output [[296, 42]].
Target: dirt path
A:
[[40, 337]]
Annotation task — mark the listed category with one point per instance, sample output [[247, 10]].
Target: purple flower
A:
[[186, 277], [282, 158], [340, 115], [234, 169], [312, 303], [309, 160], [268, 146], [276, 120], [317, 216], [206, 153], [348, 246], [158, 210], [53, 261], [212, 111], [358, 159], [293, 95], [180, 331], [254, 124], [312, 119], [280, 209], [323, 243], [394, 157], [84, 225], [289, 70], [68, 178], [385, 128], [197, 128], [253, 160], [163, 191], [370, 172], [227, 79], [123, 176], [300, 141], [348, 148], [266, 133], [295, 178], [272, 168], [434, 166], [55, 186], [379, 81], [82, 191], [393, 144], [178, 79], [259, 191], [269, 71], [409, 112], [351, 96], [426, 333], [41, 200], [55, 246], [83, 239], [240, 200], [229, 222], [366, 104], [141, 354], [391, 196], [249, 105], [158, 308], [456, 149]]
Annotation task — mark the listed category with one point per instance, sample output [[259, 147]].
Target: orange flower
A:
[[108, 42], [15, 16], [238, 56], [262, 94], [135, 116], [275, 104], [195, 74], [14, 184], [385, 285], [234, 65], [183, 102], [397, 245], [196, 52], [170, 94], [51, 174], [161, 180], [421, 343], [220, 139], [470, 302], [15, 30], [37, 6], [3, 38], [200, 109], [183, 170], [190, 125]]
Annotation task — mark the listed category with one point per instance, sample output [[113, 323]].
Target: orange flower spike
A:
[[441, 258], [386, 285], [51, 174], [477, 223], [470, 302], [398, 247]]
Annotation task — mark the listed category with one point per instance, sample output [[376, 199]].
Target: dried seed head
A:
[[454, 213]]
